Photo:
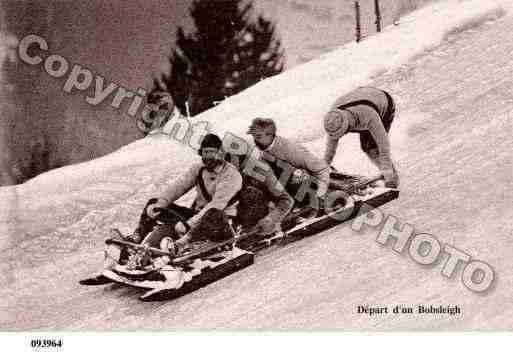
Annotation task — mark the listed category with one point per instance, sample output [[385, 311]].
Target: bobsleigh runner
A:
[[165, 276]]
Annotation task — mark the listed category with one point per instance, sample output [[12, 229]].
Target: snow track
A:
[[452, 140]]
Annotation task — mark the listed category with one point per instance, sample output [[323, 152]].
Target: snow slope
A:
[[450, 140]]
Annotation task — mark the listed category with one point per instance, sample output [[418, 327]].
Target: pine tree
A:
[[228, 52]]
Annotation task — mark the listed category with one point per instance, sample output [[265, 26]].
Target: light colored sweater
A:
[[365, 118], [300, 158], [222, 184]]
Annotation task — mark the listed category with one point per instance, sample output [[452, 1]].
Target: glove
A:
[[298, 176], [266, 225], [153, 209], [391, 179], [180, 229], [134, 237]]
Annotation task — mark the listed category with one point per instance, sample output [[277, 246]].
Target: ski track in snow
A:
[[453, 147]]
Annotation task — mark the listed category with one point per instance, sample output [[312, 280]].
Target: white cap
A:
[[336, 123]]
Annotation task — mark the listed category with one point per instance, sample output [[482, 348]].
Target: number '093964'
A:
[[46, 343]]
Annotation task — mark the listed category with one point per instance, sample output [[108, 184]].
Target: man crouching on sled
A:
[[220, 192], [369, 112]]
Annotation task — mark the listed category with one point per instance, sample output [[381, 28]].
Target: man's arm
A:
[[183, 184], [331, 149], [309, 161], [282, 200], [323, 181], [316, 167], [229, 184]]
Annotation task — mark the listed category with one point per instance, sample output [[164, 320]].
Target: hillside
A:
[[452, 143]]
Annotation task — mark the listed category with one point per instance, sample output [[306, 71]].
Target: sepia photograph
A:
[[255, 166]]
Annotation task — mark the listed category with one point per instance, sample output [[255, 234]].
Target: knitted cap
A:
[[211, 141], [336, 123], [159, 97]]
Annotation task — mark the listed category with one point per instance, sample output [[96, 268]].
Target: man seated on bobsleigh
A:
[[308, 167], [216, 181]]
